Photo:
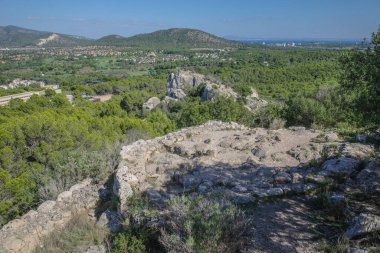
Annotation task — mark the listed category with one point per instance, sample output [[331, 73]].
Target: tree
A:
[[360, 81]]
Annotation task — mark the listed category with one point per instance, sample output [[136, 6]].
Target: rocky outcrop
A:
[[246, 165], [369, 178], [254, 102], [212, 91], [151, 103], [178, 83], [26, 233], [174, 87]]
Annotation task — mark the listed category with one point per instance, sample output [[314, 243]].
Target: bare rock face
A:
[[213, 90], [26, 233], [178, 83], [254, 102], [184, 80]]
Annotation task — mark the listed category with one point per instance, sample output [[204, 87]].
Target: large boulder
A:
[[151, 103], [177, 94], [369, 178], [213, 90], [339, 167]]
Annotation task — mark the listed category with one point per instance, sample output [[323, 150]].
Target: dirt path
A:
[[283, 226]]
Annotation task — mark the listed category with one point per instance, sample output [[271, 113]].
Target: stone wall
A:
[[27, 233]]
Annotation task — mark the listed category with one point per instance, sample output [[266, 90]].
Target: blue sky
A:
[[342, 19]]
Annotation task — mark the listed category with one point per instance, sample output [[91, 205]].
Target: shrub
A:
[[76, 236], [305, 111], [277, 124], [202, 225], [127, 242], [136, 239]]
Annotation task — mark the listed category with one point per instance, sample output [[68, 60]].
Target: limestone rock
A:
[[254, 102], [369, 178], [111, 220], [177, 94], [331, 137], [151, 103], [363, 224], [228, 159], [339, 167], [259, 152], [25, 234], [283, 177], [213, 90]]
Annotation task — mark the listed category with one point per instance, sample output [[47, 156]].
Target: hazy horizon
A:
[[272, 19]]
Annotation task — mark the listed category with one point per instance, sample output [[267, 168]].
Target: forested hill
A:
[[171, 38], [13, 36]]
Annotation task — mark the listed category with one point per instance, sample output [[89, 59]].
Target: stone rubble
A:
[[233, 160]]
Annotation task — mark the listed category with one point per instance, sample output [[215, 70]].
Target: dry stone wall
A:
[[27, 233]]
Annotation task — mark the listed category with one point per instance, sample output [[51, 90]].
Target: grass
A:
[[339, 246], [202, 225], [80, 233]]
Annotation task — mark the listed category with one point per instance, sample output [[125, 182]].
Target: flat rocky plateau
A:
[[275, 175]]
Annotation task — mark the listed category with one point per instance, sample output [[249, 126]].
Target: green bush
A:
[[202, 225], [305, 111], [128, 242], [136, 239]]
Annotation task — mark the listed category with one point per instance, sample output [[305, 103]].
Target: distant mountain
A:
[[13, 36], [171, 38], [112, 40]]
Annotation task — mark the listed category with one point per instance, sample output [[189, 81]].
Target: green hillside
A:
[[13, 36], [171, 38]]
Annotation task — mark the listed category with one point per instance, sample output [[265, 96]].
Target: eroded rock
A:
[[339, 167], [363, 224], [27, 233]]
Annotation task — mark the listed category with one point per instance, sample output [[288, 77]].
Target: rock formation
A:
[[27, 233], [151, 103], [254, 102], [178, 84], [174, 87], [248, 166]]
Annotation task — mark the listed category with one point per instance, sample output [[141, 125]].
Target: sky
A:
[[244, 19]]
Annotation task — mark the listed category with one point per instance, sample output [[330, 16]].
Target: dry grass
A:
[[77, 236], [277, 124], [202, 225]]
